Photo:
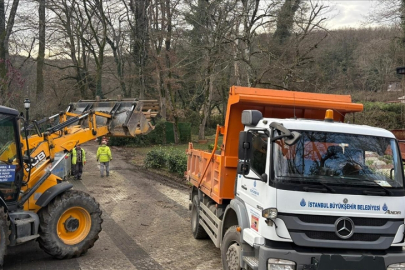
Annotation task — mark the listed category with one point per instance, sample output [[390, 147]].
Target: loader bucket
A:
[[130, 117]]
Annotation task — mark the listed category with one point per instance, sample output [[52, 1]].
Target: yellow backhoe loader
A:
[[36, 204]]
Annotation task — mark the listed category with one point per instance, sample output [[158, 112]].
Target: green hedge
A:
[[173, 160]]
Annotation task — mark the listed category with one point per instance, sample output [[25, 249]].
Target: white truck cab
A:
[[319, 195]]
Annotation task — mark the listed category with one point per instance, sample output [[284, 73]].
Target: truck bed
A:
[[215, 173]]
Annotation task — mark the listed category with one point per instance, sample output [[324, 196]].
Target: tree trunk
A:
[[285, 20], [3, 70], [207, 106], [162, 93], [403, 20], [41, 50], [141, 40], [5, 32]]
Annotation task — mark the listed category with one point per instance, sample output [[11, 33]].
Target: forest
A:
[[187, 53]]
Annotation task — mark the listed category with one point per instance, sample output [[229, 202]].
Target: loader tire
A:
[[4, 235], [69, 224], [198, 230]]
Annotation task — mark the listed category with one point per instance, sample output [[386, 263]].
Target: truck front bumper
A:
[[349, 260]]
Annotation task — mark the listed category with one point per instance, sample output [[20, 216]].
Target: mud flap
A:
[[337, 262]]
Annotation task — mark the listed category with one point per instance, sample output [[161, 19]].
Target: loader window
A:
[[259, 152], [11, 171], [8, 149]]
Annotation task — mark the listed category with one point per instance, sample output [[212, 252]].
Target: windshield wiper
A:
[[384, 191], [326, 188]]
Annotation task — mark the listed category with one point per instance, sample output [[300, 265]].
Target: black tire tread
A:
[[231, 235], [199, 232], [48, 216], [4, 234]]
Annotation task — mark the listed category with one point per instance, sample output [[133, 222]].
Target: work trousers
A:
[[107, 168], [78, 170]]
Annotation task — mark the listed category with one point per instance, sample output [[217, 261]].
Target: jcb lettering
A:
[[38, 158]]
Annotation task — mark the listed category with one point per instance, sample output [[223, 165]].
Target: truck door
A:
[[251, 188]]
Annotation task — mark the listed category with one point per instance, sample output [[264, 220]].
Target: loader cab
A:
[[11, 162]]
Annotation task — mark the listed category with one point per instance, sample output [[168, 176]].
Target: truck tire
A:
[[4, 234], [231, 249], [69, 224], [198, 230]]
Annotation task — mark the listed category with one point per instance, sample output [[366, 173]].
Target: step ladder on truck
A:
[[293, 186]]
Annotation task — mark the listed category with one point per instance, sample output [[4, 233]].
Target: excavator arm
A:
[[79, 123], [86, 120]]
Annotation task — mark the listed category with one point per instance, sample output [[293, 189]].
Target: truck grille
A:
[[320, 231], [333, 236], [331, 220]]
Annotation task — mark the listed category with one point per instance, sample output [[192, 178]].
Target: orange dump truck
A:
[[279, 190]]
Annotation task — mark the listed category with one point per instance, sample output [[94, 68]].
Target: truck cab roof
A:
[[7, 110], [318, 125]]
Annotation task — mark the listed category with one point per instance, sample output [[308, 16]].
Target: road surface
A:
[[146, 224]]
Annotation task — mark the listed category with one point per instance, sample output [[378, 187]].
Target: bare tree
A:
[[140, 39], [96, 18], [117, 23], [5, 32], [41, 49], [70, 27]]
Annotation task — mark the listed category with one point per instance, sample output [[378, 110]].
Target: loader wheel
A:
[[4, 234], [198, 230], [69, 225], [231, 249]]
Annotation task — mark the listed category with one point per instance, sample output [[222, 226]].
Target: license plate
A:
[[338, 262]]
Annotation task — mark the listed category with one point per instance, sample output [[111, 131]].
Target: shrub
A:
[[155, 159], [158, 135], [211, 147], [177, 162]]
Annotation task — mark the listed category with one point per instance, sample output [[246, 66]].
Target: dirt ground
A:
[[146, 223]]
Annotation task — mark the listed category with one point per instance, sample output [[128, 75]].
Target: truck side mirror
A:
[[245, 142]]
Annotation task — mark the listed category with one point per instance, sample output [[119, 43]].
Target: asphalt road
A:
[[146, 225]]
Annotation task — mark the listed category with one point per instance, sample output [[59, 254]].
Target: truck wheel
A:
[[4, 234], [230, 250], [198, 230], [69, 225]]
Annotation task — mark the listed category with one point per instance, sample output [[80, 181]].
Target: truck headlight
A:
[[270, 213], [279, 264], [396, 266]]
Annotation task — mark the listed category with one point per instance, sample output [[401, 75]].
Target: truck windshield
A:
[[338, 158]]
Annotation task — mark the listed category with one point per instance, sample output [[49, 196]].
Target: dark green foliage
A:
[[177, 162], [185, 132], [169, 132], [157, 136], [173, 160], [194, 118], [155, 159], [378, 114], [211, 147], [215, 120]]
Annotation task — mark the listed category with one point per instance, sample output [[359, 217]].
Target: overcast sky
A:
[[350, 13]]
